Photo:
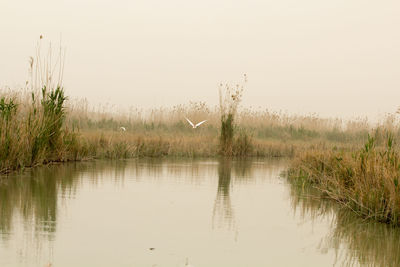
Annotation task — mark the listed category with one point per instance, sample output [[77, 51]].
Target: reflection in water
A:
[[34, 195], [367, 243], [33, 209], [223, 212], [33, 198], [223, 215]]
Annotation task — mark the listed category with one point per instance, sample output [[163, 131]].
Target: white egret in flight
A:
[[197, 125]]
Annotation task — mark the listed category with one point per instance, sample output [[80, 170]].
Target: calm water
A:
[[179, 213]]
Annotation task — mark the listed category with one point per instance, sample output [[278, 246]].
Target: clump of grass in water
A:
[[47, 115], [32, 131], [365, 181], [229, 100], [32, 134]]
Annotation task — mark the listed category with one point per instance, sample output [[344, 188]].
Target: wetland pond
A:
[[180, 213]]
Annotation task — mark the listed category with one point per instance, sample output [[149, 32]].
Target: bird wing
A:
[[200, 123], [191, 123]]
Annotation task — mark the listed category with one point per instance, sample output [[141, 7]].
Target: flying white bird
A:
[[122, 129], [197, 125]]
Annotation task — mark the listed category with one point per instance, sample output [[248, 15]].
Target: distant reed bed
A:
[[260, 124], [230, 131], [247, 132], [166, 132], [39, 126]]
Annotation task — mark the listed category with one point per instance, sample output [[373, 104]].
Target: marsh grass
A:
[[229, 100], [366, 181], [32, 132], [32, 128]]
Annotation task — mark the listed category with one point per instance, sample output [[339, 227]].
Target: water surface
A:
[[177, 213]]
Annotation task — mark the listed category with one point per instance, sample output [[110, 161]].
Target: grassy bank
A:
[[32, 129], [366, 181]]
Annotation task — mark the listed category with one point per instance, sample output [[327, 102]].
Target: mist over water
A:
[[339, 58]]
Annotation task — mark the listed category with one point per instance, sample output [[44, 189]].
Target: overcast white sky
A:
[[335, 58]]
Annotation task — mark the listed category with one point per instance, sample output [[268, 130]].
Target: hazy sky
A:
[[335, 58]]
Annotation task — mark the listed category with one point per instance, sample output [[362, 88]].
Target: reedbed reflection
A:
[[223, 214], [355, 241], [43, 211]]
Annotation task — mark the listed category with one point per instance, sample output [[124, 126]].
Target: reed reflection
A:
[[368, 243], [229, 172], [242, 170], [34, 195], [223, 214]]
